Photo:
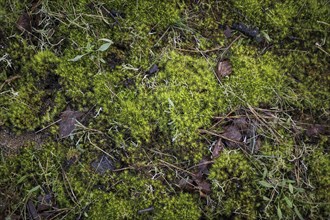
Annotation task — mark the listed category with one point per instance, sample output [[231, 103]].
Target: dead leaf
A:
[[186, 184], [242, 123], [233, 134], [227, 32], [24, 22], [316, 130], [32, 210], [68, 122], [203, 168], [44, 202], [153, 70], [223, 68], [204, 187], [218, 147], [103, 164], [199, 180]]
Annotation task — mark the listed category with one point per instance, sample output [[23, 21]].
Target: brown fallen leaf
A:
[[242, 123], [223, 68], [218, 147], [316, 130], [186, 184], [68, 122], [233, 134], [32, 210], [24, 22], [102, 164], [227, 32], [203, 168], [44, 202]]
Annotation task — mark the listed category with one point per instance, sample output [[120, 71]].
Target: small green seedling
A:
[[90, 50]]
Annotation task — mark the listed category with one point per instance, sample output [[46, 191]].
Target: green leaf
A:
[[264, 174], [171, 103], [290, 188], [279, 212], [266, 198], [265, 184], [104, 47], [106, 40], [288, 202], [266, 36], [298, 213], [301, 190], [34, 189], [22, 179], [77, 58]]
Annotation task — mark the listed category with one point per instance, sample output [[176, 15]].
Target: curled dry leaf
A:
[[218, 147], [68, 122], [102, 164], [232, 132], [227, 32], [32, 210], [316, 130], [24, 22], [204, 187], [223, 68]]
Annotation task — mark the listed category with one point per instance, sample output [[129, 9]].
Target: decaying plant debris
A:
[[164, 109]]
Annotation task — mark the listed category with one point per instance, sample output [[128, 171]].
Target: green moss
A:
[[172, 105], [319, 169], [28, 101], [141, 119], [234, 186], [256, 79], [309, 81]]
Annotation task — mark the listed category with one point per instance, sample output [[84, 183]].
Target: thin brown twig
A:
[[8, 81], [219, 135], [201, 164], [203, 51], [176, 167]]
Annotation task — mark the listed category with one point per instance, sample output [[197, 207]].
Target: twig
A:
[[202, 51], [219, 135], [8, 81], [48, 126], [178, 168]]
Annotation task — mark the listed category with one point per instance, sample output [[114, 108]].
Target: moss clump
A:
[[166, 109], [34, 172], [136, 193], [319, 174], [182, 206], [234, 186], [309, 80], [33, 98], [287, 18], [256, 79]]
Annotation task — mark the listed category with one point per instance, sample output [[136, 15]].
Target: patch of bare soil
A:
[[10, 143]]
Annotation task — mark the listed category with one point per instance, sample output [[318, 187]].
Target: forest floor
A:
[[164, 109]]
